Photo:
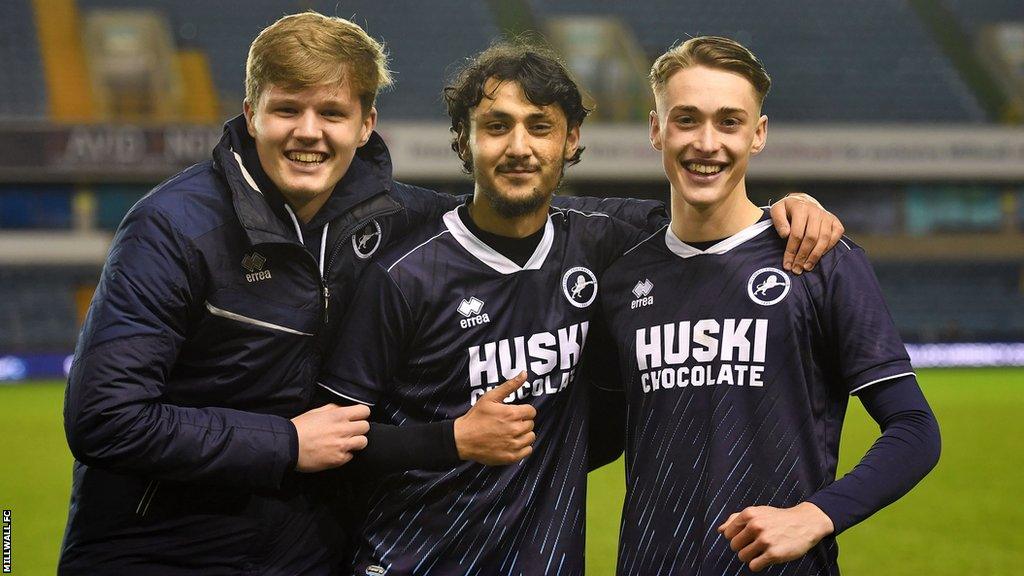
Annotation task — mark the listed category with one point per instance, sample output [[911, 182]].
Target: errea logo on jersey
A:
[[642, 291], [254, 263], [470, 311]]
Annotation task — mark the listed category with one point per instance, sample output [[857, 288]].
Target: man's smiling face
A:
[[707, 125], [306, 139], [518, 149]]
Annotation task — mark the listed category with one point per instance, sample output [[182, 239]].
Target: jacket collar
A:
[[261, 207]]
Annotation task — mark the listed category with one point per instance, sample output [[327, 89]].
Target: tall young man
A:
[[737, 373]]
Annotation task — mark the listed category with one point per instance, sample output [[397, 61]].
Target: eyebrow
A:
[[501, 115], [293, 101], [723, 111]]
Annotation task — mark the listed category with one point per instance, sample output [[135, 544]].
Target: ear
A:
[[369, 123], [463, 142], [249, 111], [572, 142], [655, 133], [760, 135]]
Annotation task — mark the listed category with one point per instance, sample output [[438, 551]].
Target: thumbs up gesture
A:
[[495, 433]]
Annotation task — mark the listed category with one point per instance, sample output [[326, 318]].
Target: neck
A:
[[484, 216], [702, 223], [306, 211]]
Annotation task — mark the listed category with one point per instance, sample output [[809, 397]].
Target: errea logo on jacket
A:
[[254, 264]]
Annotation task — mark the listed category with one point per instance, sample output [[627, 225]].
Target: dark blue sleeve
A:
[[423, 205], [864, 341], [607, 399], [371, 340], [905, 452], [116, 412], [647, 215]]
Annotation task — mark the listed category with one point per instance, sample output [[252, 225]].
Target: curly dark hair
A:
[[537, 69]]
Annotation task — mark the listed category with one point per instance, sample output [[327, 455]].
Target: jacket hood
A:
[[261, 206]]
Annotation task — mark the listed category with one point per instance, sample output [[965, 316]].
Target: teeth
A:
[[703, 168], [308, 157]]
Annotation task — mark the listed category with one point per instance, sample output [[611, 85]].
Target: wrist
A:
[[822, 524], [459, 431]]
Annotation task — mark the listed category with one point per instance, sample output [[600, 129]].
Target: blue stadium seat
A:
[[22, 85], [23, 207]]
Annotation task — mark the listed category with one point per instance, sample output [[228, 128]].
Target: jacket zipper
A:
[[345, 233]]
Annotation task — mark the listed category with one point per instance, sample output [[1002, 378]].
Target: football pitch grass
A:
[[964, 519]]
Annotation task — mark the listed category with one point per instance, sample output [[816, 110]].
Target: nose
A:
[[307, 126], [707, 140], [518, 143]]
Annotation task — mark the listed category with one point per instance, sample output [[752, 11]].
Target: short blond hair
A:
[[309, 49], [713, 52]]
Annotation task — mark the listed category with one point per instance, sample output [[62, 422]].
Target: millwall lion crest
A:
[[768, 286], [367, 239]]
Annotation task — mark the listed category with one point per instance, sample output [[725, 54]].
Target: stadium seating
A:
[[822, 69], [37, 307], [225, 32], [22, 87], [949, 302], [35, 207]]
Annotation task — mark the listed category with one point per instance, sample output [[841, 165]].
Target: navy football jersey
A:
[[437, 322], [737, 376]]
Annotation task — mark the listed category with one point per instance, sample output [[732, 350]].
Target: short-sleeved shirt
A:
[[737, 376], [436, 323]]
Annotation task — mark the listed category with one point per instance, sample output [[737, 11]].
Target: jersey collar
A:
[[489, 256], [684, 250]]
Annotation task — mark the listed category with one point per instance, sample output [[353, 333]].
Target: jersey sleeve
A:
[[863, 336], [648, 215], [370, 341]]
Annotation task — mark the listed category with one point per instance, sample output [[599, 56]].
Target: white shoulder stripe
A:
[[336, 393], [427, 241], [660, 230], [844, 243], [587, 214], [863, 386]]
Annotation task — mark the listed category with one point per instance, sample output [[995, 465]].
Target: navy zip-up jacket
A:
[[205, 336]]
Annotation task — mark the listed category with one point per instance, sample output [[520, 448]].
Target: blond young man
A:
[[737, 372]]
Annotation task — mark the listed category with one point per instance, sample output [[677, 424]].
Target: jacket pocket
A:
[[253, 321]]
